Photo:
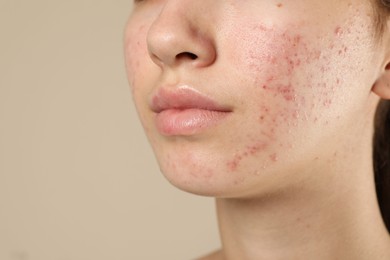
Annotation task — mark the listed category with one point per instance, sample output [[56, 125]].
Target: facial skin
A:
[[295, 77]]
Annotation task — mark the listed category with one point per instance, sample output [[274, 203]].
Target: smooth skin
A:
[[291, 164]]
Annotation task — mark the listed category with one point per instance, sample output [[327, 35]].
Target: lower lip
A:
[[192, 121]]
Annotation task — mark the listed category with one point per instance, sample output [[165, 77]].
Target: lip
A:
[[185, 111]]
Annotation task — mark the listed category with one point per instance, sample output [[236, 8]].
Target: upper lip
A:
[[182, 98]]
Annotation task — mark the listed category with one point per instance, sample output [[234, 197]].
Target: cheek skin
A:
[[272, 62], [297, 79], [136, 55]]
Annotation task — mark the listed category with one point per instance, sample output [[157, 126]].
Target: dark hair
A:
[[381, 142], [382, 158]]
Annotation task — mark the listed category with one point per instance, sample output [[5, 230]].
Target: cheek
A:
[[300, 73], [135, 53], [286, 67], [139, 70], [296, 83]]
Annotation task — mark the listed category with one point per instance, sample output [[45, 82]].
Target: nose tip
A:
[[173, 40]]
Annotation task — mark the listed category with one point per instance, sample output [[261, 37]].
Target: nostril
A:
[[186, 55]]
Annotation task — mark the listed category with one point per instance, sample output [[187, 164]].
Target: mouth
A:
[[184, 111]]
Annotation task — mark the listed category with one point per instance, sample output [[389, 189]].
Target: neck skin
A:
[[336, 218]]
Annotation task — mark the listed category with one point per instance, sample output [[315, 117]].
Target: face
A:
[[240, 98]]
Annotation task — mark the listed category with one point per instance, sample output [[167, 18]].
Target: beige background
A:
[[78, 180]]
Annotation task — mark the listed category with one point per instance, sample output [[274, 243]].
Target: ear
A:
[[382, 85]]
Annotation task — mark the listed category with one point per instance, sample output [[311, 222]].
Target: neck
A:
[[319, 222]]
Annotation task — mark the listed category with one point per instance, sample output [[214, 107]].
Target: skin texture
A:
[[301, 80]]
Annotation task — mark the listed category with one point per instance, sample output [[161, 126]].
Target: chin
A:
[[210, 179], [197, 178], [187, 179], [214, 168]]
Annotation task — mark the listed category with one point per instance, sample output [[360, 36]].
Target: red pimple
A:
[[273, 157], [338, 31], [255, 148], [287, 92], [234, 163]]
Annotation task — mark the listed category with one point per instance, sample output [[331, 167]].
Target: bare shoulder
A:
[[217, 255]]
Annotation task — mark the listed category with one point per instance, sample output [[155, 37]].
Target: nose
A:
[[177, 37]]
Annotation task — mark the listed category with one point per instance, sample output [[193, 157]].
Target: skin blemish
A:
[[273, 157], [232, 165], [284, 63], [287, 91], [250, 150], [279, 5], [254, 149], [338, 31]]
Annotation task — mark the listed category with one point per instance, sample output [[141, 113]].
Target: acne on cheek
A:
[[250, 150], [291, 74]]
